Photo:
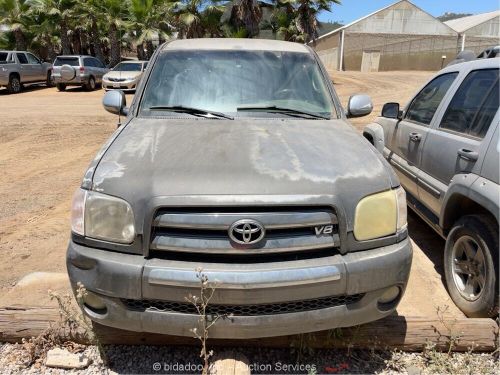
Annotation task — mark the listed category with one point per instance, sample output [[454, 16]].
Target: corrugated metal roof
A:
[[465, 23], [373, 14]]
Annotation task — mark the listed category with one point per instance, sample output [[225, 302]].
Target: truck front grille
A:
[[243, 310], [206, 230]]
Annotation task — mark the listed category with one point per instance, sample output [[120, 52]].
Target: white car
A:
[[124, 76]]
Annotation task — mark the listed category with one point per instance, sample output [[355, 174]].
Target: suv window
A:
[[425, 104], [4, 56], [97, 63], [474, 105], [22, 58], [32, 59], [88, 62], [73, 61]]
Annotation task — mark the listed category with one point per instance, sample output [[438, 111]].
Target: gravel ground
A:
[[181, 360]]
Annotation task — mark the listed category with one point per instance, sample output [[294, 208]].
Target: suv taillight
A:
[[82, 70]]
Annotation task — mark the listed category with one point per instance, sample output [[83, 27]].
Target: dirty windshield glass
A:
[[238, 82]]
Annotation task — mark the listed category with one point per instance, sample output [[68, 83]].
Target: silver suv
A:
[[236, 156], [445, 148], [85, 71]]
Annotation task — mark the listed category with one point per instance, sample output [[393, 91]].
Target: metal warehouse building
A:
[[399, 37], [477, 32]]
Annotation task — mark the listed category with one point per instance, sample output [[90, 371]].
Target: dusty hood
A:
[[123, 75], [158, 157]]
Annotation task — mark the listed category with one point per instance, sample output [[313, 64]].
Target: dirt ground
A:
[[48, 138]]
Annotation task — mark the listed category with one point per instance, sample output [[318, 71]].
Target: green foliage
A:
[[108, 29]]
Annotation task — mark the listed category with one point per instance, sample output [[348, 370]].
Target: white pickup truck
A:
[[18, 68]]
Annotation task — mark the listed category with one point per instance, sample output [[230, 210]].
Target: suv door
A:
[[24, 67], [410, 133], [101, 69], [36, 67], [455, 145]]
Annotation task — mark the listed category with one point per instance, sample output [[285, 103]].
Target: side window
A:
[[88, 62], [22, 58], [99, 64], [425, 104], [474, 105], [32, 59]]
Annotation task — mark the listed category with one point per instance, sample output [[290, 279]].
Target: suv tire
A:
[[61, 86], [14, 86], [90, 85], [471, 265]]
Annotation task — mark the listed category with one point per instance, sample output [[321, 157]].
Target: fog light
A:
[[94, 302], [390, 295]]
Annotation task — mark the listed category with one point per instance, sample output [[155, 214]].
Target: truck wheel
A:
[[61, 86], [90, 86], [14, 85], [471, 265], [50, 81]]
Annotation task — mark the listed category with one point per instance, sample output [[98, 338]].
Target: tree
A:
[[61, 13], [193, 18], [304, 26], [246, 14], [13, 14]]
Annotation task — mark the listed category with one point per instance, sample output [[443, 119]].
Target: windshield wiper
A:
[[285, 110], [191, 111]]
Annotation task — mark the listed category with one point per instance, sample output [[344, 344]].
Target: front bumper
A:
[[124, 85], [114, 277]]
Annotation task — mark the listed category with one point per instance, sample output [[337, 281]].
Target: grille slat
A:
[[243, 310], [204, 230]]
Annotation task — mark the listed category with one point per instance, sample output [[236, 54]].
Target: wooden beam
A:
[[411, 333]]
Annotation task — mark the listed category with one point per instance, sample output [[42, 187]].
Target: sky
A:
[[351, 10]]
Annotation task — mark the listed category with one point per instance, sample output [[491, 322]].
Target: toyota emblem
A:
[[246, 232]]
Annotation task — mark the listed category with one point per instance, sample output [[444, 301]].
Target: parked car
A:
[[237, 157], [490, 53], [18, 68], [78, 70], [444, 147], [124, 76]]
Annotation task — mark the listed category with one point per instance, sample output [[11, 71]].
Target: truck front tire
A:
[[471, 265]]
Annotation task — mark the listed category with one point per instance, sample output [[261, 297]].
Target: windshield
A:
[[128, 67], [228, 81]]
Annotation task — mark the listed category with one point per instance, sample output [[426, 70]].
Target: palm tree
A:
[[192, 17], [246, 14], [61, 13], [91, 21], [306, 21], [149, 19], [13, 14]]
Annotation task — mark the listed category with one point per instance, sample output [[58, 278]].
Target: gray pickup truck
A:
[[236, 156], [445, 148], [18, 68]]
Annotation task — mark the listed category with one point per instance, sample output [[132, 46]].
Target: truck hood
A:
[[173, 157]]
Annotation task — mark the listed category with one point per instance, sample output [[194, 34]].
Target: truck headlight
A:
[[102, 217], [380, 215]]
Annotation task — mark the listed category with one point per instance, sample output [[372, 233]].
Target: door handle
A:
[[468, 154], [415, 137]]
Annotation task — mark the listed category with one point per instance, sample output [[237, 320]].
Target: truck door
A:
[[24, 67], [37, 68], [455, 145], [410, 133]]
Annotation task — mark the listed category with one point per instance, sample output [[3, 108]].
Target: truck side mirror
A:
[[114, 101], [391, 110], [359, 105]]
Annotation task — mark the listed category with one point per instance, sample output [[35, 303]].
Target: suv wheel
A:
[[90, 86], [14, 85], [471, 265], [61, 86]]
